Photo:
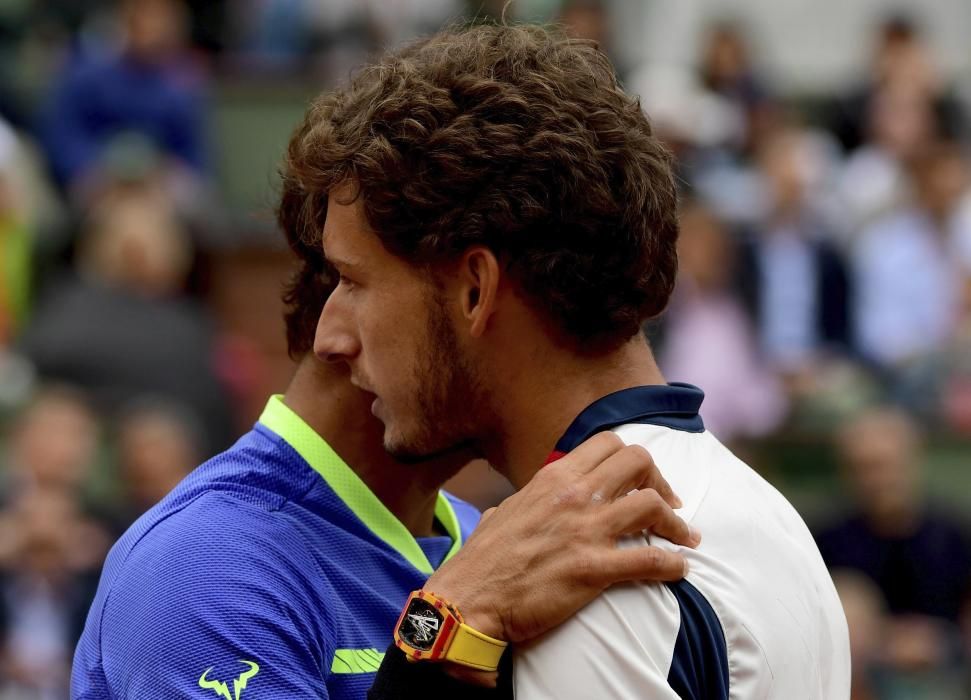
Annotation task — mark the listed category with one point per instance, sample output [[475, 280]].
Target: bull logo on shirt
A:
[[221, 689]]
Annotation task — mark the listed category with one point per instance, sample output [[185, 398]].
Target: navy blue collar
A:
[[672, 405]]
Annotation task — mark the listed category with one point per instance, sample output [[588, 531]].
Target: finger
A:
[[643, 564], [486, 515], [623, 471], [646, 510], [657, 482], [591, 453]]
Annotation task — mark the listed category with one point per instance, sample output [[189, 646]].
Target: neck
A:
[[324, 398], [540, 403]]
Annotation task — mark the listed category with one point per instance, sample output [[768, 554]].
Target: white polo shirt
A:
[[756, 617]]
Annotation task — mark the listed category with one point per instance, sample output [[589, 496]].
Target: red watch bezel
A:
[[450, 622]]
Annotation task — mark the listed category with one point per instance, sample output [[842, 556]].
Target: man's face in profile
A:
[[391, 324]]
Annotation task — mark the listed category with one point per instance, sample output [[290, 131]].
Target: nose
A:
[[335, 340]]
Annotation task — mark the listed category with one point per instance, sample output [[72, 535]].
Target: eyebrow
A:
[[340, 262]]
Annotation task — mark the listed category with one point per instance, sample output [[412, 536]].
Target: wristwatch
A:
[[430, 629]]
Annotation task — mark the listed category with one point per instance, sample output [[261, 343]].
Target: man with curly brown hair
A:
[[276, 569], [503, 222]]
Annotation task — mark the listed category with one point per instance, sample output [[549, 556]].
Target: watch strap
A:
[[474, 649]]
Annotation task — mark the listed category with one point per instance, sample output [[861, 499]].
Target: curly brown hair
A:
[[513, 137], [311, 282]]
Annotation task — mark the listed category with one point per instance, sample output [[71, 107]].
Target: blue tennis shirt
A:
[[271, 571]]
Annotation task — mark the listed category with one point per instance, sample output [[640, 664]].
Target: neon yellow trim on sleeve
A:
[[355, 494], [356, 661]]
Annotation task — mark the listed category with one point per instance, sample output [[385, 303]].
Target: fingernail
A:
[[678, 503], [695, 534], [687, 569]]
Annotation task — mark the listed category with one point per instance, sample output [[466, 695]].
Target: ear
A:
[[479, 277]]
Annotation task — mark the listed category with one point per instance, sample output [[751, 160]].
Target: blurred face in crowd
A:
[[155, 28], [135, 242], [54, 442], [156, 452], [44, 520], [901, 121], [880, 453], [390, 323], [785, 162], [941, 180], [902, 60], [585, 20], [725, 58]]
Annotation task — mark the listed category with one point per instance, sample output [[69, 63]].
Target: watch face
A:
[[420, 625]]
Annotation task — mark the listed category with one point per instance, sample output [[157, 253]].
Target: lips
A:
[[364, 388], [360, 385]]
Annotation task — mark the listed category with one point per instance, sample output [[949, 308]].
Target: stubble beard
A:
[[448, 394]]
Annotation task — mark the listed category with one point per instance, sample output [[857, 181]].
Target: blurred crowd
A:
[[825, 290]]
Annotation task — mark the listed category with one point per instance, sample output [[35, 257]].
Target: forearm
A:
[[398, 679]]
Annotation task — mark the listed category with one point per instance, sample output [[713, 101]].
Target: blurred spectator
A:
[[701, 130], [586, 19], [900, 126], [908, 266], [865, 612], [951, 376], [708, 338], [149, 88], [916, 554], [792, 277], [51, 444], [726, 70], [331, 38], [901, 62], [50, 557], [15, 243], [158, 446], [121, 328]]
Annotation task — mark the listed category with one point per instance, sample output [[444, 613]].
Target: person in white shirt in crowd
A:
[[911, 267]]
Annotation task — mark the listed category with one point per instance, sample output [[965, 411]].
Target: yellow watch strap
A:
[[471, 648]]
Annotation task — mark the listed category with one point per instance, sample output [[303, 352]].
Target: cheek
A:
[[387, 337]]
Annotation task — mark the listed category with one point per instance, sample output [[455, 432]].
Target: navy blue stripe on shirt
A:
[[699, 669]]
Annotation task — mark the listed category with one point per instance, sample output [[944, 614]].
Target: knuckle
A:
[[585, 570], [569, 495], [606, 438], [653, 558], [650, 502], [640, 455]]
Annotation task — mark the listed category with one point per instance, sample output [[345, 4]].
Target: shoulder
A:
[[215, 581], [230, 506], [219, 537], [661, 640]]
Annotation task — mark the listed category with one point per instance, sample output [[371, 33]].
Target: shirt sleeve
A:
[[209, 603], [635, 641], [397, 679]]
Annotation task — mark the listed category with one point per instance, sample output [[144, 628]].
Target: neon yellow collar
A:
[[279, 418]]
